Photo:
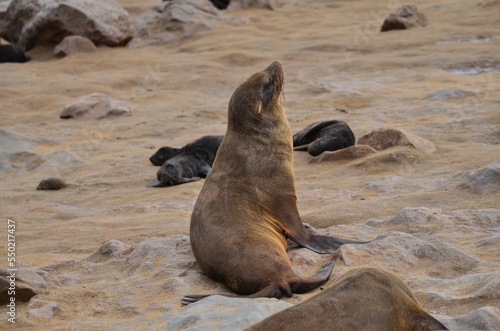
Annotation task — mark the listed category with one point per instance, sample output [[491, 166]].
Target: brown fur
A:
[[362, 299], [247, 206]]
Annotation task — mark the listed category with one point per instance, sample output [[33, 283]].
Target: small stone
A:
[[51, 183], [112, 248], [73, 44], [42, 309], [406, 17]]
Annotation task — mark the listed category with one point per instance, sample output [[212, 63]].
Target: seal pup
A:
[[247, 207], [210, 143], [191, 163], [12, 53], [368, 299], [323, 136]]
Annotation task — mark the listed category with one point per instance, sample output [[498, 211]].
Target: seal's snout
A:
[[276, 72]]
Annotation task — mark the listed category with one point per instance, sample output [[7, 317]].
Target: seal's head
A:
[[257, 98]]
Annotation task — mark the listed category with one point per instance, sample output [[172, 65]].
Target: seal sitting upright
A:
[[247, 207]]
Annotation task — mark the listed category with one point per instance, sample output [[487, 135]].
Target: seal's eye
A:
[[269, 86]]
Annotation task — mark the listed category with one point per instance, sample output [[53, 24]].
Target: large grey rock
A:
[[175, 20], [28, 23], [95, 106], [222, 313]]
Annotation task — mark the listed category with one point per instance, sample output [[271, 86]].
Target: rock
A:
[[28, 283], [12, 143], [241, 4], [406, 17], [402, 252], [23, 293], [384, 138], [112, 248], [3, 6], [12, 53], [28, 23], [72, 44], [485, 318], [95, 106], [449, 94], [222, 313], [51, 183], [473, 286], [175, 20], [484, 180], [42, 309], [349, 153]]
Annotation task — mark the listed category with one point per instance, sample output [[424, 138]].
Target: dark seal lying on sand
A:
[[324, 136], [11, 53], [183, 165]]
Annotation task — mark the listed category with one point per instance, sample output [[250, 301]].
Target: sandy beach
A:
[[337, 65]]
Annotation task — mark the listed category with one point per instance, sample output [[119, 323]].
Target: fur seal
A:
[[362, 299], [11, 53], [190, 163], [324, 136], [210, 143], [247, 207]]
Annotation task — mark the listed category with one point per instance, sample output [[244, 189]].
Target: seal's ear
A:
[[259, 108]]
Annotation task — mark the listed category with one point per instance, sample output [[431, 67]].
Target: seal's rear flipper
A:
[[303, 285], [191, 298]]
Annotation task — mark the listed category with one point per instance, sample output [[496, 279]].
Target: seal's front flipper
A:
[[301, 147], [188, 180], [204, 171], [155, 183], [303, 285]]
